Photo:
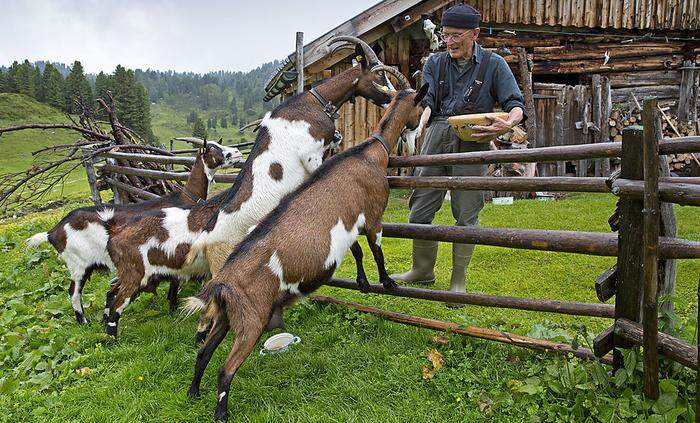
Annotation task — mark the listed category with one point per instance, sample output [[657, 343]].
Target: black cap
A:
[[461, 16]]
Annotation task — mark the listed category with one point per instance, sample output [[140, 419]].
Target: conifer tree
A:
[[39, 93], [224, 123], [102, 86], [54, 89], [24, 78], [77, 86], [199, 131]]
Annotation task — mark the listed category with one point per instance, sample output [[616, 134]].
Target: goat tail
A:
[[213, 298], [191, 305], [37, 239]]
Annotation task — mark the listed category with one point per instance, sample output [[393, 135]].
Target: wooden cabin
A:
[[582, 65]]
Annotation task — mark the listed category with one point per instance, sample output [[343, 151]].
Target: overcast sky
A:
[[198, 36]]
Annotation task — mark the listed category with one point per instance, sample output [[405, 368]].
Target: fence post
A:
[[630, 239], [89, 163], [652, 133], [300, 62]]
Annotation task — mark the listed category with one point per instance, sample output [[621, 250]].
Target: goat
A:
[[81, 237], [293, 251], [290, 145]]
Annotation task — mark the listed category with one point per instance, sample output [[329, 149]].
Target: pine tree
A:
[[77, 86], [224, 123], [54, 89], [199, 131], [234, 112], [192, 117], [102, 86], [39, 92], [24, 79], [11, 78], [213, 122]]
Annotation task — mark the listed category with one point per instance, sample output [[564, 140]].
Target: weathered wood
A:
[[675, 349], [642, 78], [667, 268], [679, 193], [415, 14], [132, 190], [591, 243], [581, 96], [550, 154], [404, 53], [299, 61], [606, 110], [620, 95], [559, 130], [686, 92], [603, 343], [526, 83], [652, 135], [597, 117], [629, 260], [606, 284], [480, 183], [473, 331], [156, 174], [528, 304], [580, 51], [149, 158], [89, 164], [594, 65]]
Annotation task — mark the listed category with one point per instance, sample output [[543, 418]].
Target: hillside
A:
[[16, 147]]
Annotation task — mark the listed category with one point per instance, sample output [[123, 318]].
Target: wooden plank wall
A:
[[618, 14]]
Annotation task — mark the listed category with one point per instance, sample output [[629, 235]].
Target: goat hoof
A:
[[80, 318], [111, 330], [221, 416], [389, 283], [193, 393], [199, 337], [363, 284]]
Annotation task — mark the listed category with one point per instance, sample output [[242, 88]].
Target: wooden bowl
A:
[[463, 125]]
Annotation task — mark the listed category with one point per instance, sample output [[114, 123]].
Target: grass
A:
[[349, 366]]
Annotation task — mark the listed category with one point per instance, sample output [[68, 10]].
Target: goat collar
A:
[[377, 136], [328, 108], [189, 195]]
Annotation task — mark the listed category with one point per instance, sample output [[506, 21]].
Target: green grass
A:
[[349, 366], [16, 147]]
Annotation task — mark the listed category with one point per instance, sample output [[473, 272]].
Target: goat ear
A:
[[360, 56], [421, 93]]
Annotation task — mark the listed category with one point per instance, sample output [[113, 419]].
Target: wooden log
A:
[[299, 61], [667, 268], [651, 212], [545, 154], [684, 194], [156, 174], [620, 95], [528, 304], [526, 83], [132, 190], [580, 51], [603, 343], [629, 260], [559, 130], [675, 349], [686, 93], [623, 64], [152, 158], [597, 118], [591, 243], [480, 183], [473, 331], [606, 105], [89, 164], [606, 284]]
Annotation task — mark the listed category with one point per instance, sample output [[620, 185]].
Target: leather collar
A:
[[328, 108], [189, 195], [377, 136]]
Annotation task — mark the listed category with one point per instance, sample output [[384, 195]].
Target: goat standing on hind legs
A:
[[82, 236], [292, 252]]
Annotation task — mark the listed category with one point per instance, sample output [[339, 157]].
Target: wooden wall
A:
[[619, 14]]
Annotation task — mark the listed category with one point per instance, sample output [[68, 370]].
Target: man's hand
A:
[[498, 126]]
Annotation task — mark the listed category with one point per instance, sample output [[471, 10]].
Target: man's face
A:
[[459, 41]]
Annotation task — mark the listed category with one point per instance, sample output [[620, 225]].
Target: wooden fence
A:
[[645, 245]]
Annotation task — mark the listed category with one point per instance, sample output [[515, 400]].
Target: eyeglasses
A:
[[454, 37]]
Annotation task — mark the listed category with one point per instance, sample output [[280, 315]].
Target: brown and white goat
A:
[[81, 237], [290, 145], [298, 246]]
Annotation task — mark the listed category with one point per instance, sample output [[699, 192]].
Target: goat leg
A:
[[374, 240], [172, 295], [276, 320], [122, 297], [204, 354], [109, 299], [362, 281]]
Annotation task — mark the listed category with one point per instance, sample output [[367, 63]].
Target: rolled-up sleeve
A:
[[430, 75], [506, 88]]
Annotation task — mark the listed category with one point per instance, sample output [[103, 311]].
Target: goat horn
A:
[[342, 47], [405, 83], [383, 88], [372, 58], [248, 125]]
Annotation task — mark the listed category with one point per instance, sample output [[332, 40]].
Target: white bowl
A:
[[279, 343]]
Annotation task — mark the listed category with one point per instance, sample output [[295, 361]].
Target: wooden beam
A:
[[413, 15], [526, 82], [603, 343], [606, 284], [473, 331], [673, 348], [685, 105], [132, 190], [299, 60]]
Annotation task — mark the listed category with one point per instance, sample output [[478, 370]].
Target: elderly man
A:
[[465, 79]]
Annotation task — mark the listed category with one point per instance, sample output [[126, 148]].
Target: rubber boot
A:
[[461, 256], [422, 270]]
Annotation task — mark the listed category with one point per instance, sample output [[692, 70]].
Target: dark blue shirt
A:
[[499, 84]]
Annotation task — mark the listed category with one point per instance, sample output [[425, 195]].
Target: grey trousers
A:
[[425, 202]]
